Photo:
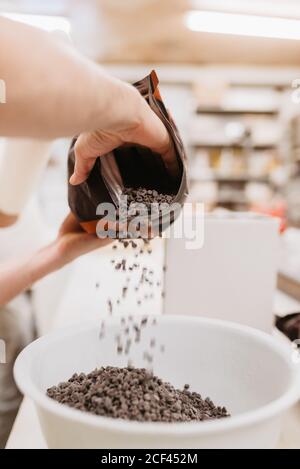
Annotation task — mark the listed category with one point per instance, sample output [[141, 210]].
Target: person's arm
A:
[[53, 91], [72, 242]]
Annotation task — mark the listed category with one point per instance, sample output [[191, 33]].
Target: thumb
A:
[[153, 134], [88, 147]]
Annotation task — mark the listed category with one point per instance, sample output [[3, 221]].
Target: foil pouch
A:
[[129, 166]]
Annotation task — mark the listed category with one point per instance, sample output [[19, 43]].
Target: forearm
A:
[[17, 276], [71, 243], [51, 90]]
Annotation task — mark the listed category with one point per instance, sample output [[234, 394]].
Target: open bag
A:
[[129, 166]]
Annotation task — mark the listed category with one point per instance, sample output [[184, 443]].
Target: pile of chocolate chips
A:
[[134, 394], [146, 197]]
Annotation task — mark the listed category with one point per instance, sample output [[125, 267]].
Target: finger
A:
[[69, 225], [82, 169], [84, 159], [153, 134], [170, 159], [89, 146]]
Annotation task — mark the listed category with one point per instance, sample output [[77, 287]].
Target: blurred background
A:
[[229, 73]]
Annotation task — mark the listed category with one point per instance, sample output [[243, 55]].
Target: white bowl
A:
[[246, 370]]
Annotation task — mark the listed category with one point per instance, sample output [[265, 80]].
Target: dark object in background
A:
[[131, 166], [289, 325], [134, 394]]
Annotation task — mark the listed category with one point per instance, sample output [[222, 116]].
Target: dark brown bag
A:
[[128, 166]]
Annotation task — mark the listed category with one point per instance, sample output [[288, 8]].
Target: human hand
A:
[[72, 241], [21, 273], [130, 120]]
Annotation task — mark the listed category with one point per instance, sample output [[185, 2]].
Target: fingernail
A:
[[73, 179]]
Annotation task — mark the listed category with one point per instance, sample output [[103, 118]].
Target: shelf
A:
[[275, 86], [289, 286], [235, 112], [231, 202], [220, 146], [293, 224], [230, 179]]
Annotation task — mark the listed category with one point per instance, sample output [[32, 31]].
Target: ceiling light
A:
[[46, 22], [242, 25]]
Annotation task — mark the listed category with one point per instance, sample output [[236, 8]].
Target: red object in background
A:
[[277, 210]]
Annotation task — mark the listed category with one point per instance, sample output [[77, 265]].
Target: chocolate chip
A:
[[110, 306], [133, 394]]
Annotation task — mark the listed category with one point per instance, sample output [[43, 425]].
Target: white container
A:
[[232, 276], [244, 369], [22, 162]]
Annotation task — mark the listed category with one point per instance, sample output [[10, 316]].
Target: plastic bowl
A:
[[248, 371]]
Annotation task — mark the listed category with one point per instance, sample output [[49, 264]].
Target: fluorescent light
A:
[[242, 25], [46, 22], [279, 9]]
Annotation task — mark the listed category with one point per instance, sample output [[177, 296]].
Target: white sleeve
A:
[[21, 164]]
